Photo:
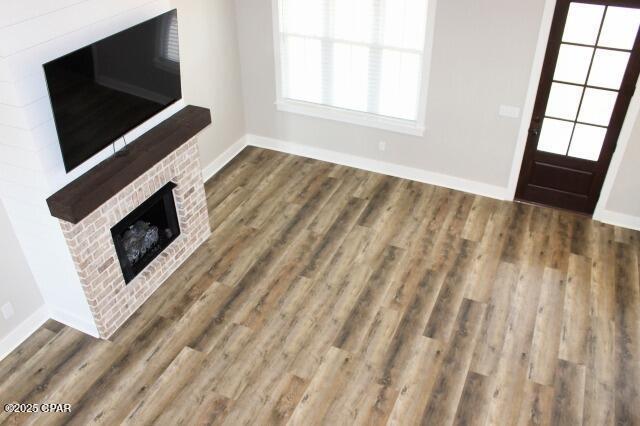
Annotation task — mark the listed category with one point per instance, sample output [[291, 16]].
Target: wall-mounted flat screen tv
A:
[[102, 91]]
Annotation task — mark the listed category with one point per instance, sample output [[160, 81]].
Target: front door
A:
[[589, 76]]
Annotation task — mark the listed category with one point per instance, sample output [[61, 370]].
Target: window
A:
[[359, 61]]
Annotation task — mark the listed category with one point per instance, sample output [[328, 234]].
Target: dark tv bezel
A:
[[68, 167]]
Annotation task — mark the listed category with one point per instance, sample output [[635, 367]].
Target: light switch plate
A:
[[509, 111], [7, 310]]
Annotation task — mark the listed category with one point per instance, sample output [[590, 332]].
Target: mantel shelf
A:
[[84, 195]]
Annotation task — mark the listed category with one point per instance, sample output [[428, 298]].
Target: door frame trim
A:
[[633, 114]]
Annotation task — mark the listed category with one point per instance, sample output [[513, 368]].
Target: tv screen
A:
[[104, 90]]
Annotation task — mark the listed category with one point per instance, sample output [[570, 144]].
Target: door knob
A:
[[534, 132]]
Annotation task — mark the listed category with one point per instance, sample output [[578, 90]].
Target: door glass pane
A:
[[608, 68], [583, 23], [564, 100], [573, 64], [597, 106], [555, 136], [587, 142], [620, 28]]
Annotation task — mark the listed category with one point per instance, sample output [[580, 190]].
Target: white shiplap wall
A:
[[31, 33]]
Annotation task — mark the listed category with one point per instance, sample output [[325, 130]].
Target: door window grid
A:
[[575, 122]]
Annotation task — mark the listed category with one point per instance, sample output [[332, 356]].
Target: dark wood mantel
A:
[[78, 199]]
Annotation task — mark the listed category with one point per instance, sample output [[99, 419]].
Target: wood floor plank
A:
[[70, 380], [120, 383], [349, 180], [627, 333], [410, 329], [362, 314], [448, 243], [494, 323], [376, 206], [234, 200], [248, 174], [417, 200], [449, 385], [568, 397], [27, 349], [450, 297], [517, 228], [287, 396], [546, 336], [43, 365], [165, 389], [361, 401], [332, 375], [310, 302], [418, 380], [476, 224], [333, 238], [582, 237], [481, 276], [560, 240], [278, 188], [401, 292], [513, 365], [537, 405], [379, 336], [273, 294], [198, 396], [600, 375], [575, 322], [473, 406]]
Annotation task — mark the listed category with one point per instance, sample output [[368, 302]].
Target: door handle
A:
[[534, 132]]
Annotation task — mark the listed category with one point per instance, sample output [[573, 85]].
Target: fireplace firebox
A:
[[144, 233]]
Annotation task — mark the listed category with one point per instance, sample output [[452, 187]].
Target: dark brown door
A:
[[589, 76]]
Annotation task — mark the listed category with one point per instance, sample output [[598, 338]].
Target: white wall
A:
[[623, 204], [482, 57], [36, 31], [211, 70], [17, 285]]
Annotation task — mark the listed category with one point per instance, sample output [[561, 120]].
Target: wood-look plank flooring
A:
[[330, 295]]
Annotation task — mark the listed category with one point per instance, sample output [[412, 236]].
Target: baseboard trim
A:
[[25, 329], [73, 321], [618, 219], [219, 162], [376, 166], [390, 169]]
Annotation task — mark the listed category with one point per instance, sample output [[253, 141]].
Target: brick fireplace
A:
[[92, 247], [105, 206]]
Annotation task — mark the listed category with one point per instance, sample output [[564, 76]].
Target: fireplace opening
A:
[[145, 232]]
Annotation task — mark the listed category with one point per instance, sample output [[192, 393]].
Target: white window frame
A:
[[366, 119]]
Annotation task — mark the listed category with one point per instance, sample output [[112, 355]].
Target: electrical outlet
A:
[[7, 310], [509, 111], [382, 146]]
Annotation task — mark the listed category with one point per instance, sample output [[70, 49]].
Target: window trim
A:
[[366, 119]]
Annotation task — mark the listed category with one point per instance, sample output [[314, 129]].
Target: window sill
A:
[[352, 117]]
